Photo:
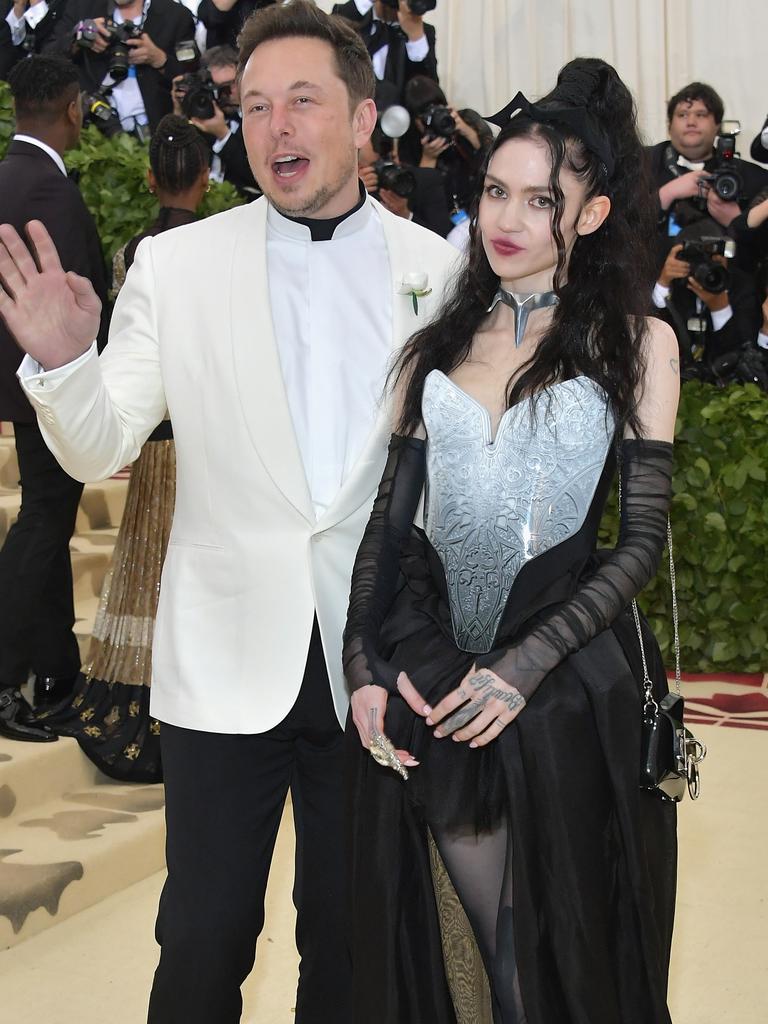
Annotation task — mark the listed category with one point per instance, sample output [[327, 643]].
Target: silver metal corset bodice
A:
[[494, 504]]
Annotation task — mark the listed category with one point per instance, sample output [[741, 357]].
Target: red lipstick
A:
[[504, 247]]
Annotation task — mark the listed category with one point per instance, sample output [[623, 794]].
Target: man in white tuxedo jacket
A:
[[267, 332]]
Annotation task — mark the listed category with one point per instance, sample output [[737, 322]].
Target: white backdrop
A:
[[488, 49]]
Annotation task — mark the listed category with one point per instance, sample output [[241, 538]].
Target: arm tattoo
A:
[[483, 685], [675, 364]]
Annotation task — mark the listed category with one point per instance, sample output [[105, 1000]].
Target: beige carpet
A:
[[97, 967]]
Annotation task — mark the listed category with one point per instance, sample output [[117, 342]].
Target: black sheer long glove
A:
[[377, 566], [646, 488]]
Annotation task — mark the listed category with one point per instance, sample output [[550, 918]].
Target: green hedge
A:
[[720, 532], [113, 181]]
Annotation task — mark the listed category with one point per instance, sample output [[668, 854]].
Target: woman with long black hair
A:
[[496, 648]]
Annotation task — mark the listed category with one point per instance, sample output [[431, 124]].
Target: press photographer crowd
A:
[[140, 60]]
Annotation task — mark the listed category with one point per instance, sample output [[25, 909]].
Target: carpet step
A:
[[68, 854], [32, 774], [9, 468]]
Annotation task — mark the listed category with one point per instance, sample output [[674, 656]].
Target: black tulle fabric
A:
[[588, 878], [377, 565]]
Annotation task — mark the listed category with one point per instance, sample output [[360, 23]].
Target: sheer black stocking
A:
[[480, 868]]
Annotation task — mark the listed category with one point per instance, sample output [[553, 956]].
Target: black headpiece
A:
[[567, 107]]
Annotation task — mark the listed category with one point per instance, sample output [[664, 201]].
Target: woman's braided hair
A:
[[177, 154]]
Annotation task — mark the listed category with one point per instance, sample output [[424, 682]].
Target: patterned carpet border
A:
[[727, 699]]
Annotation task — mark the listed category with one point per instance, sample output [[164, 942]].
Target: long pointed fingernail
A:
[[411, 763]]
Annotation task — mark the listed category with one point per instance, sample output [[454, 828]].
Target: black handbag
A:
[[670, 753]]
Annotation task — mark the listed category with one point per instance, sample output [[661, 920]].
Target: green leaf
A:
[[715, 521]]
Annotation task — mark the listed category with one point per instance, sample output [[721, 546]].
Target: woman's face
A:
[[515, 217]]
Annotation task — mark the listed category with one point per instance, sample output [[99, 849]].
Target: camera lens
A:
[[713, 277], [119, 62], [727, 187]]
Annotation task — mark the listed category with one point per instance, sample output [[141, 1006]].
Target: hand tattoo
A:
[[483, 684]]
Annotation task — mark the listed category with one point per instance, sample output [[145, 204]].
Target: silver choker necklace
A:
[[523, 305]]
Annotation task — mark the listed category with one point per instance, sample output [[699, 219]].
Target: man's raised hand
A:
[[53, 314]]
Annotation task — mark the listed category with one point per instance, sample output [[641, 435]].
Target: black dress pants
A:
[[224, 800], [36, 598]]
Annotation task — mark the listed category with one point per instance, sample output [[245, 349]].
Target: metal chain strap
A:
[[650, 701]]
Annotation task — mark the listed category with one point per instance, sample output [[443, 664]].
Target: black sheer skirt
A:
[[593, 857]]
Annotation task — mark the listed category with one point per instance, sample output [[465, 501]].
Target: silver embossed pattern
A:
[[494, 504]]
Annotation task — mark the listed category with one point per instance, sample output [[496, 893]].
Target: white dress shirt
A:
[[31, 17], [126, 98], [332, 317], [56, 157]]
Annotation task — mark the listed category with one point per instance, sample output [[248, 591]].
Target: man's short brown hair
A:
[[304, 19]]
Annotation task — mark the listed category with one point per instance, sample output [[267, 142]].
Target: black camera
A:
[[117, 36], [725, 179], [198, 94], [438, 122], [395, 178], [710, 274], [98, 111]]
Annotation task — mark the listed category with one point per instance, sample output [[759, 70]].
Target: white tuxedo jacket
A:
[[248, 565]]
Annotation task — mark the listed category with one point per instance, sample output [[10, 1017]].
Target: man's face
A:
[[301, 137], [693, 129], [225, 79]]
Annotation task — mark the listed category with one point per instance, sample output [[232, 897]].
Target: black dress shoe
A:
[[14, 720], [52, 690]]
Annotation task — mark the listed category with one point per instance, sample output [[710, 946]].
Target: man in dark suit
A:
[[26, 26], [223, 131], [35, 570], [223, 19], [401, 44], [163, 50]]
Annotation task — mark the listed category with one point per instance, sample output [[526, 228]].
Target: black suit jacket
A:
[[224, 26], [41, 38], [168, 23], [399, 68], [32, 187], [237, 170]]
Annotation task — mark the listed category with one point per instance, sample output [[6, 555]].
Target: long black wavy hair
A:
[[598, 328]]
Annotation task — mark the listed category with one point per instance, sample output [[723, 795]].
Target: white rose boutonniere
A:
[[416, 285]]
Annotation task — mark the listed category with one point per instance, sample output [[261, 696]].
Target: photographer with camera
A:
[[696, 171], [452, 141], [223, 19], [400, 43], [26, 27], [414, 193], [708, 301], [210, 99], [750, 231], [128, 53]]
